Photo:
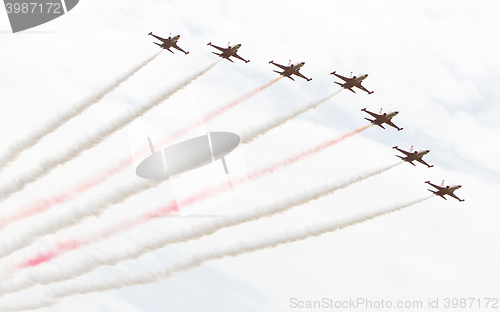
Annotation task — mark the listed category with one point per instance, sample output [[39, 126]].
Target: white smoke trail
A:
[[249, 135], [18, 183], [16, 148], [72, 287], [75, 215], [195, 232], [201, 195]]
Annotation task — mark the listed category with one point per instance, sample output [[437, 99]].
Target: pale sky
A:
[[436, 62]]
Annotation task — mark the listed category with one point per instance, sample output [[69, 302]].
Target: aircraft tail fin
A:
[[340, 84], [400, 157], [291, 78], [278, 72], [350, 89], [216, 53], [370, 120], [230, 60], [158, 44], [412, 163]]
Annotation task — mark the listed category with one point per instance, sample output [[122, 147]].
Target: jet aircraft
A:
[[413, 156], [228, 52], [290, 70], [352, 82], [168, 43], [382, 118], [442, 190]]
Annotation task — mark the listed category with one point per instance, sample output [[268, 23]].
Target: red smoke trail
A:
[[45, 203], [293, 159], [164, 210], [216, 113]]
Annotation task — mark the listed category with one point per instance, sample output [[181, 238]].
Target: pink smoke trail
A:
[[44, 204], [164, 210]]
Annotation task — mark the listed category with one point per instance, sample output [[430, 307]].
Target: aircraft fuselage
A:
[[293, 69], [231, 51], [235, 48], [447, 190], [384, 118], [416, 155], [413, 156], [167, 44], [361, 78], [354, 82], [421, 154]]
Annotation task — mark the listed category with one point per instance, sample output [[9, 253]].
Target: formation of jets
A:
[[348, 83]]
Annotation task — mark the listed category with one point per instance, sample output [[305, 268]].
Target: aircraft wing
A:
[[159, 38], [281, 66], [373, 114], [439, 188], [239, 57], [390, 123], [300, 75], [359, 86], [342, 77], [404, 152], [455, 196], [420, 160], [219, 48], [175, 46]]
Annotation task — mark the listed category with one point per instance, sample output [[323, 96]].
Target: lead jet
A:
[[442, 190], [413, 156], [352, 82], [290, 70], [228, 52], [382, 118], [168, 43]]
